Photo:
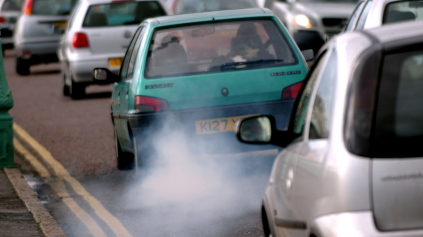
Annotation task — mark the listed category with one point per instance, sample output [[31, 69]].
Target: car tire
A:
[[66, 89], [266, 226], [77, 90], [22, 67], [125, 160]]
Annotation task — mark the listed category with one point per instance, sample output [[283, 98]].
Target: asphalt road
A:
[[185, 195]]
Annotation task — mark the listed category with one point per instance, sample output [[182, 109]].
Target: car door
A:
[[312, 152], [286, 216], [126, 75]]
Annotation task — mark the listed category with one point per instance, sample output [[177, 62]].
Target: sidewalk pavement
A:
[[21, 212]]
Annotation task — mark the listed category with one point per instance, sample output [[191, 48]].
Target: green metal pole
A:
[[6, 120]]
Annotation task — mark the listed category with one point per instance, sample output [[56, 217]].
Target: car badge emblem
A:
[[127, 34], [225, 92]]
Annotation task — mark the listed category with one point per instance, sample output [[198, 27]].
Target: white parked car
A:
[[375, 13], [97, 36], [352, 163]]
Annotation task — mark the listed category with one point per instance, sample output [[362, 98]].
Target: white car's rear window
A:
[[52, 7], [403, 11], [121, 13]]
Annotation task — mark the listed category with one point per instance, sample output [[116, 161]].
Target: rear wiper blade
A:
[[235, 64]]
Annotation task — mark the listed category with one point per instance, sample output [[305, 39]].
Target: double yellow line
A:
[[58, 185]]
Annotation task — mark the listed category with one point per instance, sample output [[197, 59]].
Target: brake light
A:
[[27, 7], [2, 19], [291, 92], [149, 104], [80, 40]]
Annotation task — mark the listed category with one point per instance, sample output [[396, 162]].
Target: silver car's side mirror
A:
[[308, 54], [255, 130], [100, 74]]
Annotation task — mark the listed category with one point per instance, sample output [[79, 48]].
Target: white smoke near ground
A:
[[183, 191]]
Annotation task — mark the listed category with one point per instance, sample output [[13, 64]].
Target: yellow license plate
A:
[[115, 62], [62, 25], [218, 125]]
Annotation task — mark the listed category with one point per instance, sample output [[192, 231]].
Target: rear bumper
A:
[[41, 52], [151, 124], [354, 224], [82, 71]]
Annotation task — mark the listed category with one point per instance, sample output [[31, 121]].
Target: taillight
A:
[[291, 92], [27, 7], [150, 104], [80, 40], [2, 19]]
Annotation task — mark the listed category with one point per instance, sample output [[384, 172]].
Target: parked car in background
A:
[[352, 159], [195, 6], [98, 35], [200, 73], [10, 10], [38, 32], [312, 21], [370, 14]]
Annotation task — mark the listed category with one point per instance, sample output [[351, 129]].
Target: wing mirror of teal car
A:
[[308, 54], [105, 75], [261, 129]]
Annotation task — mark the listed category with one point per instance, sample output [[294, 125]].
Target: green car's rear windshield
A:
[[218, 47], [121, 13]]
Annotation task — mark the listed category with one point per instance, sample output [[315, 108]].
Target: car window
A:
[[52, 7], [399, 115], [134, 55], [218, 47], [11, 5], [125, 64], [301, 110], [193, 6], [322, 108], [354, 16], [403, 11], [120, 13], [363, 17]]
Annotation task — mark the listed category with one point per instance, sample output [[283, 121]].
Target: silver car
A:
[[10, 10], [38, 32], [196, 6], [375, 13], [98, 35], [310, 22], [352, 161]]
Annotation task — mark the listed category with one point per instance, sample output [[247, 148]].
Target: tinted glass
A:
[[218, 47], [12, 5], [52, 7], [322, 108], [403, 11], [363, 17], [121, 13], [126, 60], [399, 126], [193, 6], [330, 1], [301, 112], [354, 17], [134, 55]]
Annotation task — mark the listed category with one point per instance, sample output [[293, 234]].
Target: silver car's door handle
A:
[[290, 178]]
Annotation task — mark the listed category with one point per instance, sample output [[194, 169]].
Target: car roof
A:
[[406, 32], [209, 16]]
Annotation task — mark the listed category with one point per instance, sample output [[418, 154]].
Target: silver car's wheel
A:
[[77, 90], [22, 67]]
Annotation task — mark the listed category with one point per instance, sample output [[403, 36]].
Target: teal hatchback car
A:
[[202, 73]]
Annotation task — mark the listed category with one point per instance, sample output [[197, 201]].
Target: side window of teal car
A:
[[322, 108], [134, 55], [125, 64], [300, 114]]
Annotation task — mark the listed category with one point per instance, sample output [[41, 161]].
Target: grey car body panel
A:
[[105, 43], [332, 191], [8, 25]]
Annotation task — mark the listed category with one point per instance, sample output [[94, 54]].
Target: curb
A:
[[48, 225]]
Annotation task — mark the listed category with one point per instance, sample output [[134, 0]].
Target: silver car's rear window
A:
[[52, 7], [399, 115], [193, 6], [218, 47], [11, 5], [121, 13], [403, 11]]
